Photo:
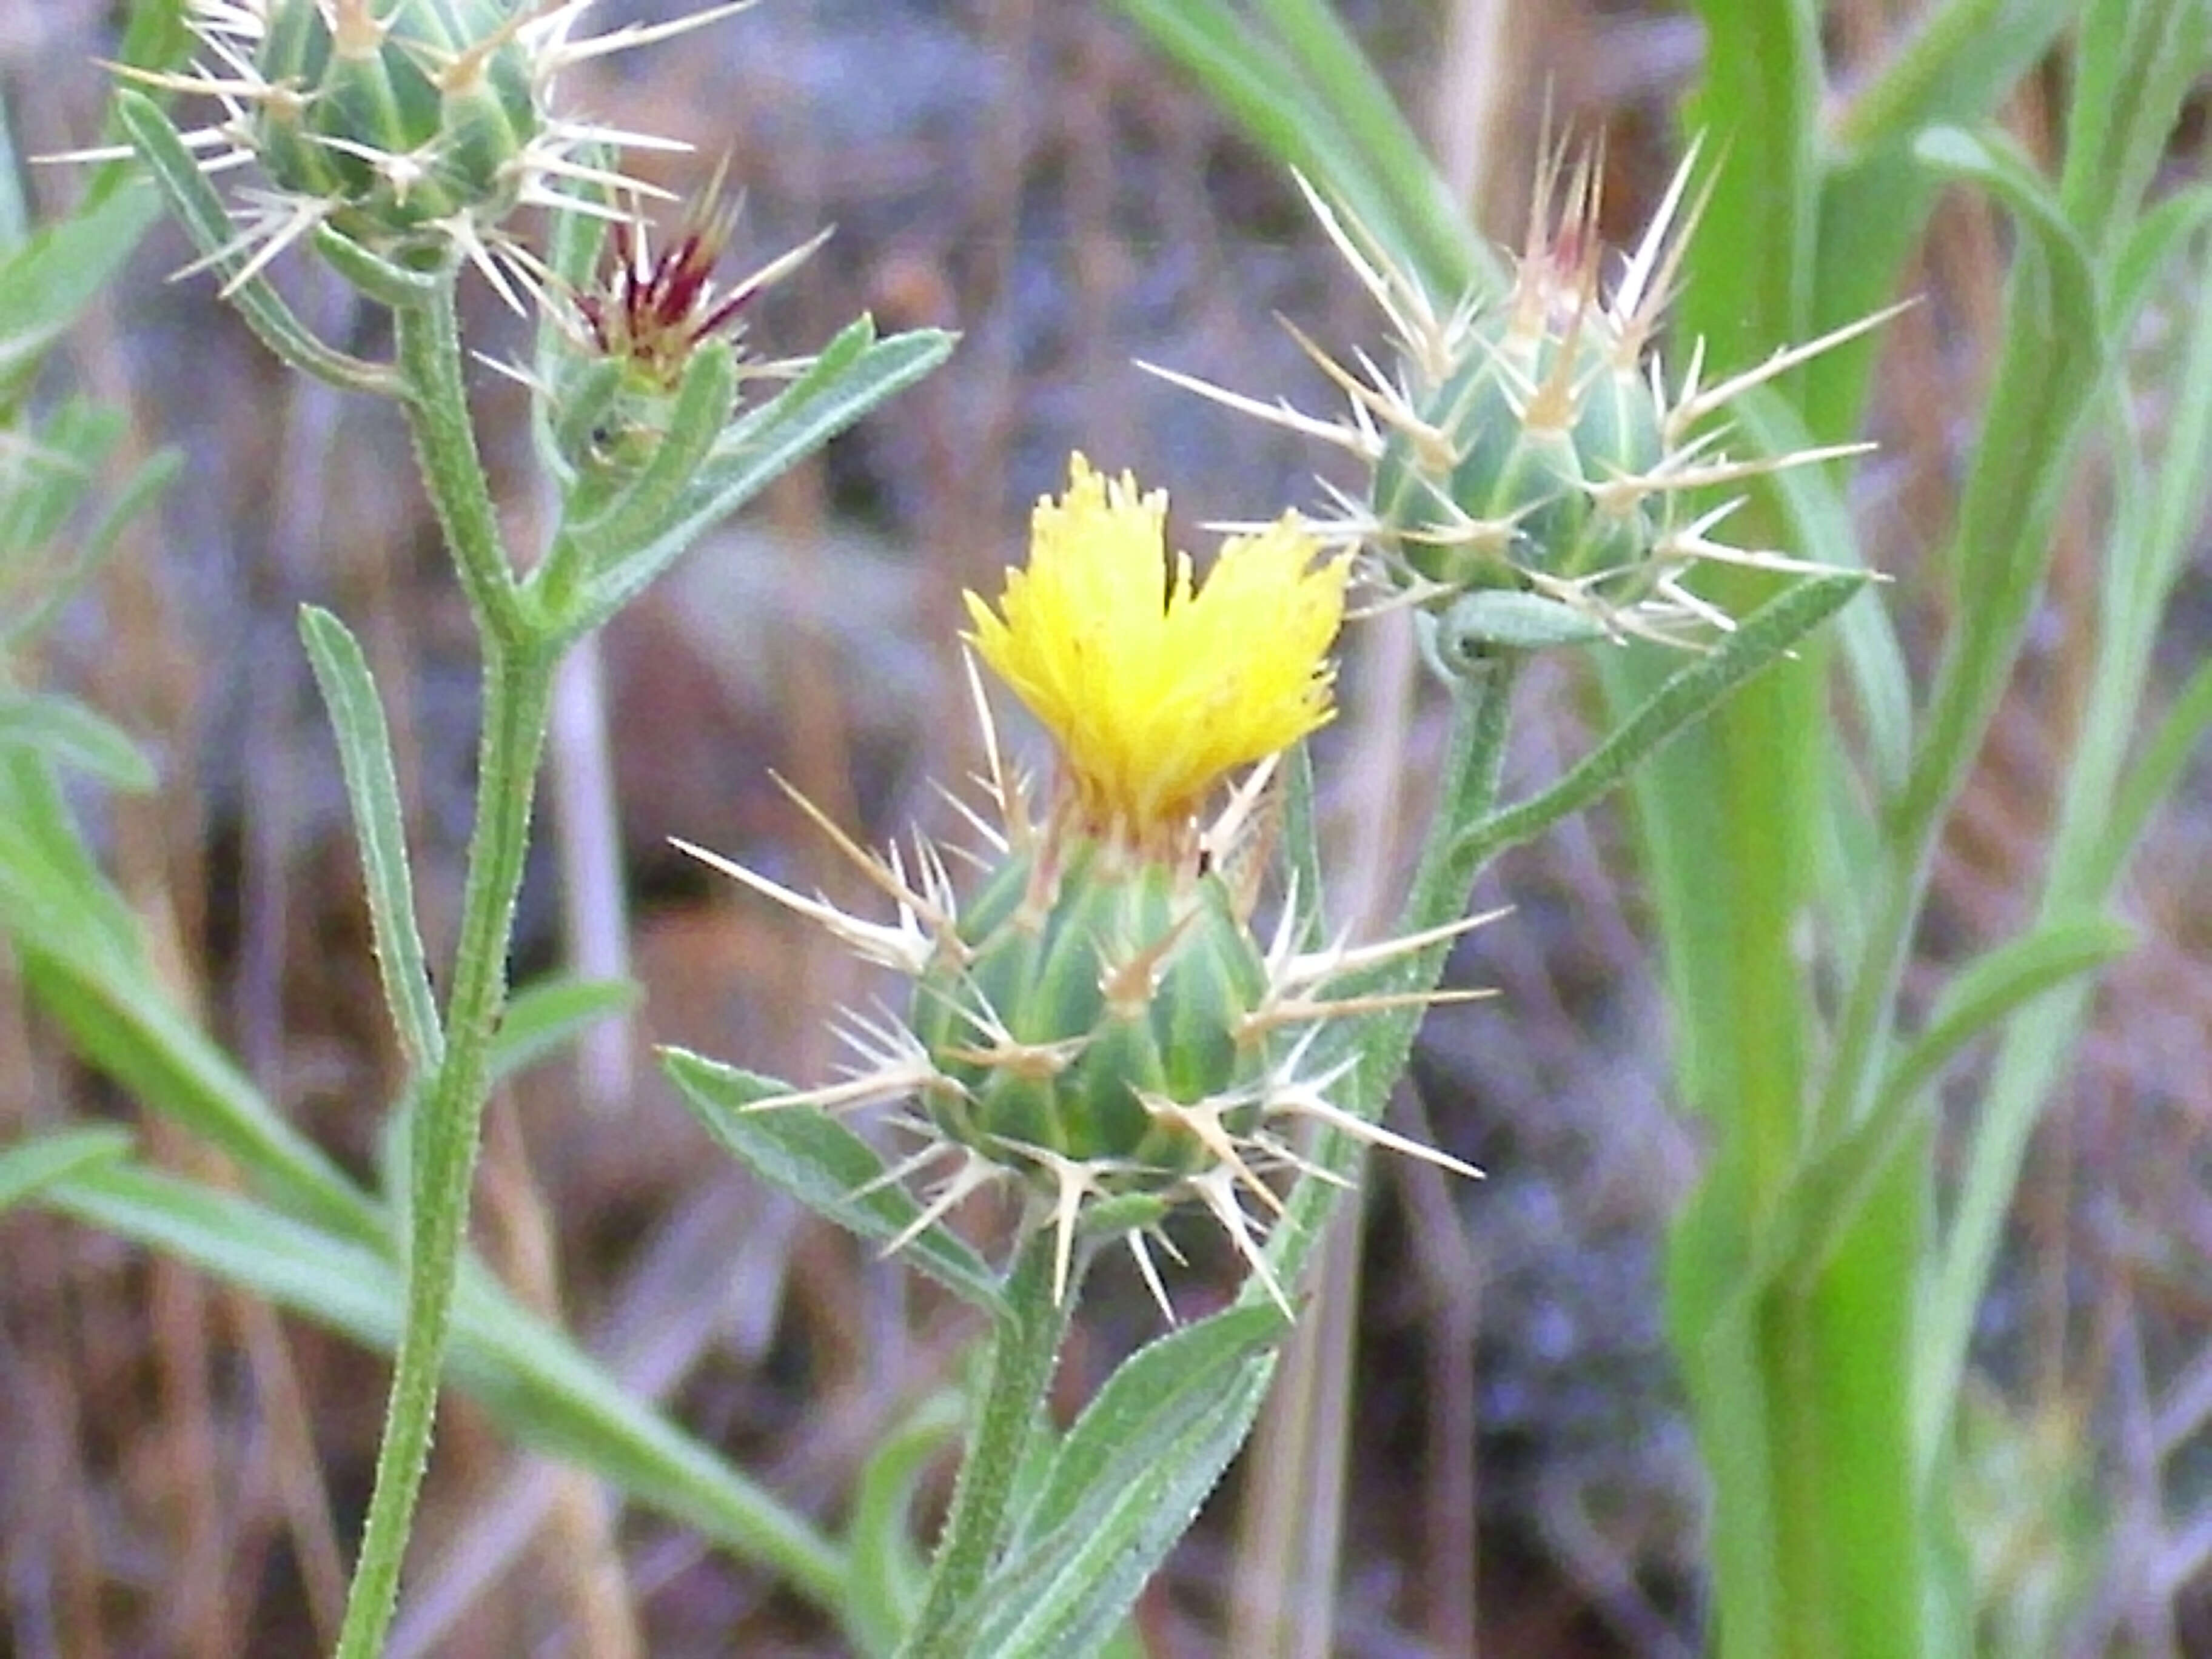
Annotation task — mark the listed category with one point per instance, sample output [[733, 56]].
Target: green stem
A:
[[1023, 1355], [1450, 862], [518, 689], [430, 354], [518, 682]]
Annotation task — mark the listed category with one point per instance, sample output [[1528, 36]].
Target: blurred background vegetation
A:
[[180, 1467]]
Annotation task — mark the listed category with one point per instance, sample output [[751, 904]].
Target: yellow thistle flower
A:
[[1153, 685], [1094, 1023]]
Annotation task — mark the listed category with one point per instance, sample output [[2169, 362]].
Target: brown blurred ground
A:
[[179, 1473]]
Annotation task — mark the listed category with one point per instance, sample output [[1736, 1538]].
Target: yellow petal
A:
[[1152, 685]]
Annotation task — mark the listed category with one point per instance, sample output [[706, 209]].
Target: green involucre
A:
[[391, 134], [1038, 976], [1515, 496]]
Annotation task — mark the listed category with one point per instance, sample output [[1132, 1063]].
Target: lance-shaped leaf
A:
[[804, 1151]]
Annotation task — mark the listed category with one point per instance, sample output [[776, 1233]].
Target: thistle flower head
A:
[[1533, 462], [1096, 1023], [416, 128], [1153, 685], [652, 307]]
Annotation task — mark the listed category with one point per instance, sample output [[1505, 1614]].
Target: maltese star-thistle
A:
[[1096, 1024], [413, 128], [1532, 462]]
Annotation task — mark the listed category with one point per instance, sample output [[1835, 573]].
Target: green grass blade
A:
[[29, 1167]]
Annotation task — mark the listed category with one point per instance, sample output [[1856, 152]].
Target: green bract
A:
[[1077, 1004], [416, 119], [1534, 424]]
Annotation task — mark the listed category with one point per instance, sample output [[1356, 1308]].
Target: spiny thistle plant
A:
[[414, 129], [1098, 1022], [400, 140], [1533, 462]]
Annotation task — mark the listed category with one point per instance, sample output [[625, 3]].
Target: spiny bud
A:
[[1514, 467], [1089, 1006], [1533, 465], [414, 129], [402, 121]]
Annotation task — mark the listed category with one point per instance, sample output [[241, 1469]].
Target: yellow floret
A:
[[1151, 686]]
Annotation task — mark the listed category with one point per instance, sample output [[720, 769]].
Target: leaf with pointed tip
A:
[[1124, 1484], [372, 790], [855, 373], [805, 1152]]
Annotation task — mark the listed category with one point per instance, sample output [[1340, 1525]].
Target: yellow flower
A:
[[1154, 687]]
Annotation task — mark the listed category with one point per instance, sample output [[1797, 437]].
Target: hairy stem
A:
[[1022, 1356], [518, 680]]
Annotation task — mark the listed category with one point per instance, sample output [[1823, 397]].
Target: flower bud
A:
[[413, 128], [1537, 477], [403, 122], [1079, 1003], [1535, 427]]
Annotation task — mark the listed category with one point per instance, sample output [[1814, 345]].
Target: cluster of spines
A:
[[1564, 354], [534, 155], [1233, 1134]]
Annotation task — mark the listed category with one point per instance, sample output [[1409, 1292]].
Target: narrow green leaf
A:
[[1686, 697], [889, 1574], [1953, 63], [199, 208], [805, 1152], [69, 735], [541, 1018], [534, 1381], [77, 951], [28, 1167], [1996, 164], [1147, 1405], [2153, 242], [122, 1022], [380, 831], [2174, 743], [855, 373], [1299, 88], [1996, 985], [2142, 57], [51, 891], [1067, 1592], [347, 1284], [1825, 1197]]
